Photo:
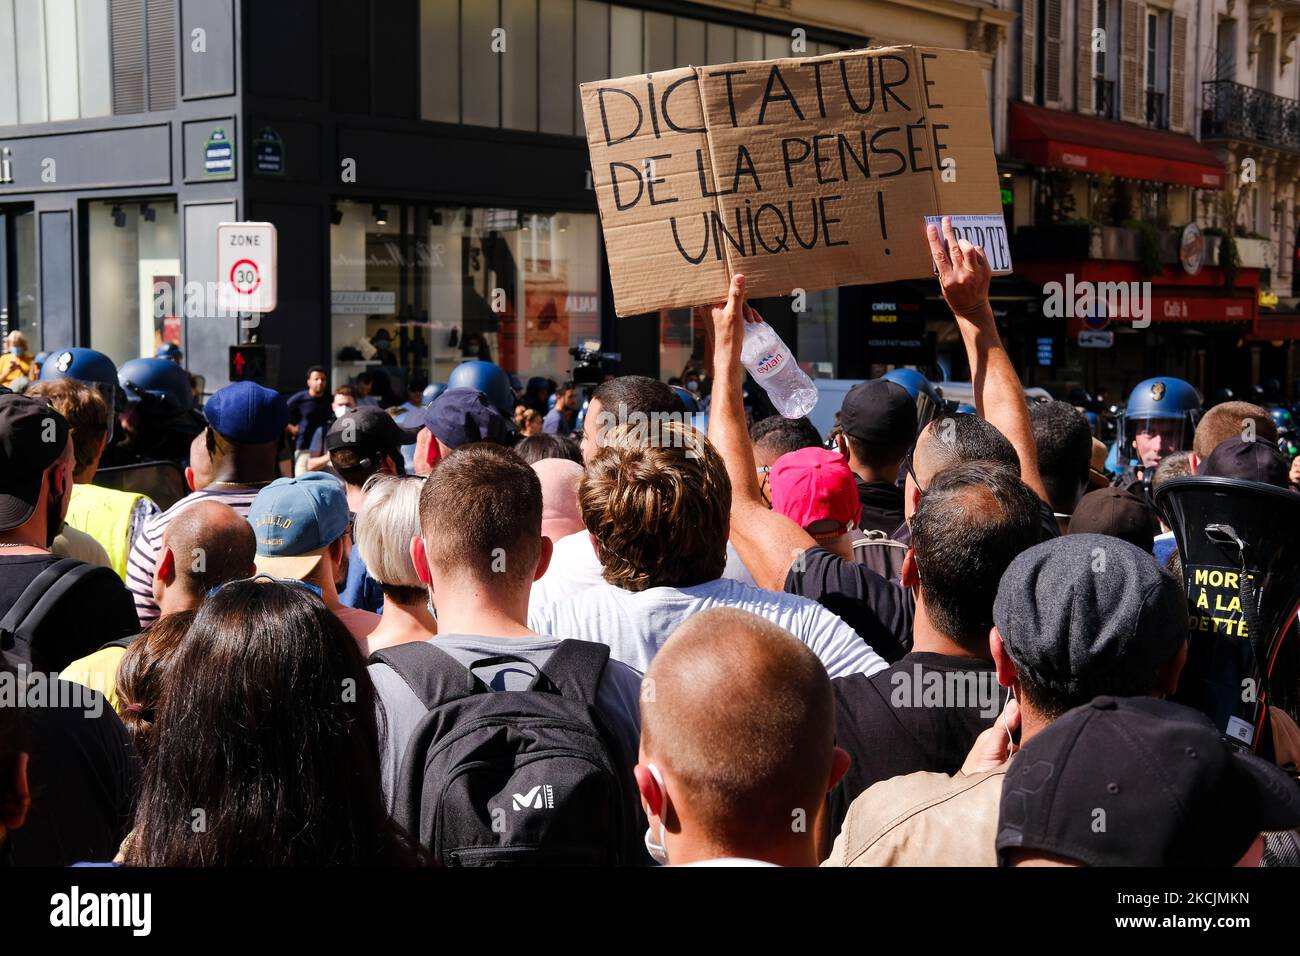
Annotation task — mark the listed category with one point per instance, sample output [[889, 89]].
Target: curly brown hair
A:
[[657, 500], [86, 411]]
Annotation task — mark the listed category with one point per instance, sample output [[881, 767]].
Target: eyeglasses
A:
[[267, 579], [763, 472], [908, 467]]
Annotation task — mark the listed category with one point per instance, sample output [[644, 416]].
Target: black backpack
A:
[[513, 778], [20, 624]]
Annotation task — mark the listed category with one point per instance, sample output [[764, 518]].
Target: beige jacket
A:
[[923, 819]]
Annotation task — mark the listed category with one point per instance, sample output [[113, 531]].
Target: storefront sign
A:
[[1203, 309], [246, 266], [1191, 249], [268, 153], [218, 155], [1096, 339], [803, 173], [363, 303]]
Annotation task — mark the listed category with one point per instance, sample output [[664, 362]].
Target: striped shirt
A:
[[143, 561]]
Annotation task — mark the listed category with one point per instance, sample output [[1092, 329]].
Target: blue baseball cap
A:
[[247, 413], [295, 521], [462, 416]]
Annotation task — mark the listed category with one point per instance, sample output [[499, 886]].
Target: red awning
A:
[[1055, 139]]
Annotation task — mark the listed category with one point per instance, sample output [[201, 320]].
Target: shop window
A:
[[446, 284], [18, 305], [134, 250]]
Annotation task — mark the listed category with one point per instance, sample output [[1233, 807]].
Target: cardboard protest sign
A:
[[802, 173]]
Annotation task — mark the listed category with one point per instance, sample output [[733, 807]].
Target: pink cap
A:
[[814, 484], [560, 515]]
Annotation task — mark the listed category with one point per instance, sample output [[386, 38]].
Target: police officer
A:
[[488, 378], [1160, 419], [111, 517], [171, 352], [91, 368], [160, 419]]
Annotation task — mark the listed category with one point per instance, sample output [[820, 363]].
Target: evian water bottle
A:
[[773, 366]]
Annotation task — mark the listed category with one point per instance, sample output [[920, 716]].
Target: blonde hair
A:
[[386, 523]]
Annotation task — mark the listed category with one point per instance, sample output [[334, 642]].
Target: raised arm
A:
[[767, 542], [964, 277]]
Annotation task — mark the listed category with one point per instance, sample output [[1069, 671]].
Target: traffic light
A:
[[255, 363]]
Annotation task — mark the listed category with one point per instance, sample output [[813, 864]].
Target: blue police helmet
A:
[[157, 383], [929, 401], [688, 398], [171, 352], [488, 378], [84, 365], [1163, 398], [431, 392], [1282, 417]]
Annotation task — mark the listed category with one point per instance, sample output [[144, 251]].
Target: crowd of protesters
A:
[[501, 624]]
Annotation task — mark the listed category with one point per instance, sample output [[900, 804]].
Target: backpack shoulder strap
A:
[[576, 667], [433, 675], [37, 599]]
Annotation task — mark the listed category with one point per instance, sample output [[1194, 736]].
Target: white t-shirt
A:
[[575, 568], [635, 624]]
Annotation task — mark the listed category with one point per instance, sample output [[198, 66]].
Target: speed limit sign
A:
[[246, 266]]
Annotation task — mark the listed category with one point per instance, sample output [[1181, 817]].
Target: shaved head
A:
[[198, 475], [212, 544], [739, 716]]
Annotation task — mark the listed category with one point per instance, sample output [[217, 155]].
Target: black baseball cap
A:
[[1140, 782], [879, 412], [1114, 511], [1087, 614], [368, 430], [32, 437], [1250, 460]]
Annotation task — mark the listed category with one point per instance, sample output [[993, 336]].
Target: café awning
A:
[[1054, 139]]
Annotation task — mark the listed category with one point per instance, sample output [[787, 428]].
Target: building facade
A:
[[424, 162], [1155, 145]]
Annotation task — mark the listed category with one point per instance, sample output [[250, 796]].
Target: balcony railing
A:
[[1156, 115], [1234, 111], [1104, 94]]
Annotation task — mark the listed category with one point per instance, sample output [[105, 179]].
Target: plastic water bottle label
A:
[[768, 364]]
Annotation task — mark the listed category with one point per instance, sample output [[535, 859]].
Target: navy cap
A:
[[1167, 788], [462, 416], [247, 413], [1088, 614], [296, 520], [1250, 460]]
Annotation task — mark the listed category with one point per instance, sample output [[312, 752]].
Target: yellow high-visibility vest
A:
[[105, 515]]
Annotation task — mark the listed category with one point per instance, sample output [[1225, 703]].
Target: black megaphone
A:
[[1239, 543]]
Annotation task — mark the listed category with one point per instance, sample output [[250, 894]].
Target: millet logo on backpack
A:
[[540, 796]]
